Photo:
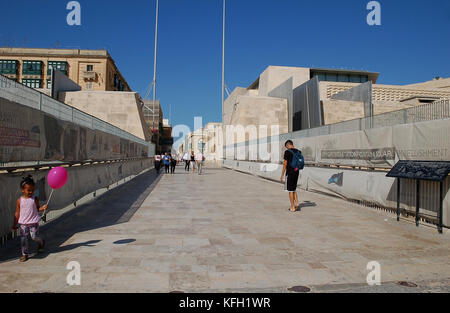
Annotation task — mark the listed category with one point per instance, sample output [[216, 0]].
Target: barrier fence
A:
[[19, 93], [432, 111]]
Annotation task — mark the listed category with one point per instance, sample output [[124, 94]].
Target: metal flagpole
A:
[[154, 64], [223, 53]]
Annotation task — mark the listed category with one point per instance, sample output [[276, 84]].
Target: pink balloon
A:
[[57, 177]]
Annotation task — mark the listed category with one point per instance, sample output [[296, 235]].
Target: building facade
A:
[[208, 140], [92, 70], [297, 98]]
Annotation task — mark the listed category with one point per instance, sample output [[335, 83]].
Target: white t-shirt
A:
[[199, 157]]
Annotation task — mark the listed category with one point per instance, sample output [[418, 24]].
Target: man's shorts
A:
[[292, 181]]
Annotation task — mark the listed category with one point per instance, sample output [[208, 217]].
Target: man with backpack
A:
[[293, 163]]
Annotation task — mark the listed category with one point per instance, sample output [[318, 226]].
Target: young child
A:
[[27, 216]]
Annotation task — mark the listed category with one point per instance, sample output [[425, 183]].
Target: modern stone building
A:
[[90, 69], [297, 98]]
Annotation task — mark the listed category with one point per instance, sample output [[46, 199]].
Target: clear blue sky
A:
[[411, 45]]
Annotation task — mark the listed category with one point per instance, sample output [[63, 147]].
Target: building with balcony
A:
[[92, 70], [166, 139], [153, 116]]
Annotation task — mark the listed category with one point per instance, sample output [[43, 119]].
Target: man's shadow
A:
[[306, 204], [113, 207]]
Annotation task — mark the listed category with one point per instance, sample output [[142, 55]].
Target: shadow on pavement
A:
[[113, 207], [306, 204]]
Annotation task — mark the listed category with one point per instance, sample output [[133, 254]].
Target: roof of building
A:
[[54, 52], [372, 76], [435, 83]]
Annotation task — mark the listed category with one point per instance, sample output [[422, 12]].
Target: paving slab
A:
[[226, 231]]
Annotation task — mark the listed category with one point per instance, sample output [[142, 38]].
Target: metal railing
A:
[[432, 111], [19, 93]]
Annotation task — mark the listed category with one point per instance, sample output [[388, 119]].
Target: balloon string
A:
[[45, 211], [51, 193]]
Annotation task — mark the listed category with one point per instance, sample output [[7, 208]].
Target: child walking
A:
[[27, 216]]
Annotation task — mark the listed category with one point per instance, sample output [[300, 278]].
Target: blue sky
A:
[[411, 45]]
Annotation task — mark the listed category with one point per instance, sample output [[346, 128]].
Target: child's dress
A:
[[29, 223]]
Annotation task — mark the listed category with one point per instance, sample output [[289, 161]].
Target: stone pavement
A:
[[226, 231]]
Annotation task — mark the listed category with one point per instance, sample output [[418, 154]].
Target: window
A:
[[340, 77], [118, 84], [297, 121], [343, 78], [32, 83], [32, 68], [89, 86], [89, 68], [49, 84], [8, 67], [355, 78], [61, 66], [331, 77]]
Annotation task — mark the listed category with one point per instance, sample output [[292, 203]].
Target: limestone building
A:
[[297, 98], [121, 109], [90, 69], [207, 140]]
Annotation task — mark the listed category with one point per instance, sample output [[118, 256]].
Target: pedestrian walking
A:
[[199, 158], [293, 163], [166, 161], [192, 161], [157, 163], [27, 216], [187, 161], [173, 165]]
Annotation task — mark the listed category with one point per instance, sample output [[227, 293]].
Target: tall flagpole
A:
[[154, 64], [223, 53]]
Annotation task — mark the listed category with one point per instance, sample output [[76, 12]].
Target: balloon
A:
[[57, 177]]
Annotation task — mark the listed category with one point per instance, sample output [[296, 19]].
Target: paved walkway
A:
[[226, 231]]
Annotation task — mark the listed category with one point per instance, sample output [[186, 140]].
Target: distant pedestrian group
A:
[[167, 160], [196, 160]]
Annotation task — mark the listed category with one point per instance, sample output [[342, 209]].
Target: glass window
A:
[[331, 77], [343, 78], [32, 83], [32, 68], [364, 78], [89, 67], [355, 78], [59, 65], [49, 84], [8, 67]]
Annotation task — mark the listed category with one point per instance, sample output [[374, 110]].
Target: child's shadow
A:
[[49, 250]]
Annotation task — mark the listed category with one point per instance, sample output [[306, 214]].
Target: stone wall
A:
[[121, 109]]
